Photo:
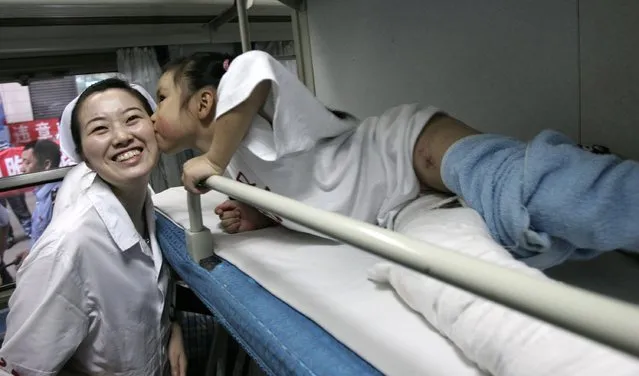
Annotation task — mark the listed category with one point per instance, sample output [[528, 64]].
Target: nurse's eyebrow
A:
[[132, 109], [125, 111], [97, 118]]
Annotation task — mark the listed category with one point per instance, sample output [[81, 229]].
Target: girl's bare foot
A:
[[236, 216]]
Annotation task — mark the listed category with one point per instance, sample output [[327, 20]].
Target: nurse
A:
[[91, 295]]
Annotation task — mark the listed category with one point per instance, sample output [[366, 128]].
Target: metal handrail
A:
[[10, 183], [591, 315]]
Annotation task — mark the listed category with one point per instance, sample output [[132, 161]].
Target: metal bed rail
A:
[[605, 320]]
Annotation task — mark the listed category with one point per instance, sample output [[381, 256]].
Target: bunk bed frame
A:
[[612, 322]]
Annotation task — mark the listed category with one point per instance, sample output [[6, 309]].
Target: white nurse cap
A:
[[67, 145]]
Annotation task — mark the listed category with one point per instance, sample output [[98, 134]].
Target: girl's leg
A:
[[536, 196], [436, 138]]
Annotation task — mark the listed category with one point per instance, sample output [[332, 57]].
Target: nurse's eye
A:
[[99, 129], [133, 119]]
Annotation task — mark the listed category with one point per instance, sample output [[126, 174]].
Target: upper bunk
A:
[[41, 28], [72, 34], [76, 10]]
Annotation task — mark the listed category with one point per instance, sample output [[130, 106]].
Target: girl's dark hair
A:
[[199, 70], [99, 87]]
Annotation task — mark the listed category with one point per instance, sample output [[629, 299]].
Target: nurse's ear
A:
[[82, 159], [205, 103]]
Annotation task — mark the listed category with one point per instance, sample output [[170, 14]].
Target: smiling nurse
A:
[[91, 294]]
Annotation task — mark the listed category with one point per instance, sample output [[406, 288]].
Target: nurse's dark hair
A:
[[199, 70], [99, 87]]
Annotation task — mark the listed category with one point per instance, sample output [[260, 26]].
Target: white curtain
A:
[[140, 65]]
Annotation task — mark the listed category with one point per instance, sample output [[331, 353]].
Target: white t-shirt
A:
[[363, 171], [90, 295]]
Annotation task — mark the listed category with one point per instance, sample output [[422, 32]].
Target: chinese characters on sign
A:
[[28, 131], [11, 161], [11, 165]]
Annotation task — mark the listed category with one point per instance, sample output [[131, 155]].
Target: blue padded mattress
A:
[[279, 338]]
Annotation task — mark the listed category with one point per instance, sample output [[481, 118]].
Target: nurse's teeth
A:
[[128, 155]]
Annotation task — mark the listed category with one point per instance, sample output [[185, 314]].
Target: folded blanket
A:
[[547, 200], [499, 340]]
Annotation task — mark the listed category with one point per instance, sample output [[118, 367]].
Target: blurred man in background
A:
[[38, 156]]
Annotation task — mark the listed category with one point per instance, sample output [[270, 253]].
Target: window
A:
[[84, 81]]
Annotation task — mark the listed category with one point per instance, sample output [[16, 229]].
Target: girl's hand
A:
[[177, 355], [196, 171]]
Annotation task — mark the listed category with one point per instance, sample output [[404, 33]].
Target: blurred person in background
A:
[[17, 202], [38, 156]]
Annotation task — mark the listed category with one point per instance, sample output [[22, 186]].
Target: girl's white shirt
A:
[[363, 170]]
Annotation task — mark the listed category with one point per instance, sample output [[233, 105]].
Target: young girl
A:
[[546, 200], [91, 295]]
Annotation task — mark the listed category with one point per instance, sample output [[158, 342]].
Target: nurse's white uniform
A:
[[90, 295], [362, 170]]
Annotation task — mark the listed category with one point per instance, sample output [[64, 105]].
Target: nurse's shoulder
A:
[[68, 237]]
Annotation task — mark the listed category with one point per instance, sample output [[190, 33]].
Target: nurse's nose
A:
[[121, 135]]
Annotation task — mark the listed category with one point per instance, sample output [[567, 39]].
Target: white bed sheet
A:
[[328, 283]]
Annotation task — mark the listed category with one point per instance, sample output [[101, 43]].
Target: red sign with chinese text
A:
[[11, 165], [28, 131], [11, 161]]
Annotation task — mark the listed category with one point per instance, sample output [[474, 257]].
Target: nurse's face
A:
[[174, 120], [118, 140]]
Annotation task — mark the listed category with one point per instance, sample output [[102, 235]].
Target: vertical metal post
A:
[[198, 237], [302, 41], [242, 17], [195, 212]]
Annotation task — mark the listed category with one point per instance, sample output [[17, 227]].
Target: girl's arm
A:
[[229, 130]]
